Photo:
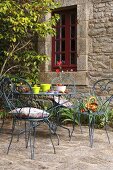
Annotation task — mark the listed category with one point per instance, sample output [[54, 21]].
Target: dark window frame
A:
[[67, 66]]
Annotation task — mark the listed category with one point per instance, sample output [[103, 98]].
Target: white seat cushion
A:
[[30, 112], [63, 102]]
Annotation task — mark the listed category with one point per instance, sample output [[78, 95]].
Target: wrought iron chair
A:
[[1, 105], [23, 107], [64, 101], [97, 104]]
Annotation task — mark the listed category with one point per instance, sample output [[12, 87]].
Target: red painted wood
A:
[[67, 65]]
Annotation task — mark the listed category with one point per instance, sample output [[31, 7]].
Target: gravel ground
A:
[[70, 155]]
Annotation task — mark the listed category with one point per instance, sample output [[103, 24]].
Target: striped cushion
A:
[[30, 112]]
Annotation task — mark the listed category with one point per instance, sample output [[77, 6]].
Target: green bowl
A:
[[36, 90], [45, 87]]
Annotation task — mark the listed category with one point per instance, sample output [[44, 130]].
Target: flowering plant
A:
[[59, 64], [89, 104], [58, 70]]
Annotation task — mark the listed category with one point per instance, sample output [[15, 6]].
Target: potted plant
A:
[[60, 87]]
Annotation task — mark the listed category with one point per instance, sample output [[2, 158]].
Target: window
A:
[[64, 44]]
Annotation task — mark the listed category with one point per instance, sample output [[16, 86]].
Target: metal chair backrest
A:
[[103, 89], [7, 93], [10, 89]]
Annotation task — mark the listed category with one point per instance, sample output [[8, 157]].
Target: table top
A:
[[53, 93]]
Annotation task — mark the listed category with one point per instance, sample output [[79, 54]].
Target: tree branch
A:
[[14, 47], [23, 46], [2, 69], [10, 69]]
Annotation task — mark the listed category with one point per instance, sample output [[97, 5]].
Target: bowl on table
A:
[[45, 87], [61, 89], [22, 89]]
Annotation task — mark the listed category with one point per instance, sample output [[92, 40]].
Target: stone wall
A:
[[94, 42], [100, 58]]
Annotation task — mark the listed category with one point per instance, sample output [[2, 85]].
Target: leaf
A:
[[13, 39], [19, 23]]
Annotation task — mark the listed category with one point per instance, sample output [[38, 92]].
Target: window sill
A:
[[80, 77]]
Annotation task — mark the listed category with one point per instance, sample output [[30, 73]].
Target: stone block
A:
[[95, 32], [109, 30], [48, 46], [82, 48], [106, 1], [41, 47], [90, 47], [96, 1], [111, 64], [89, 8], [81, 81], [107, 48], [98, 62], [82, 62], [81, 12], [82, 29]]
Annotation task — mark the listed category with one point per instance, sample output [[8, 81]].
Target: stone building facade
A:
[[94, 43]]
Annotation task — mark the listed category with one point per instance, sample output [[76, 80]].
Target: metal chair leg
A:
[[107, 131], [3, 121], [91, 130], [52, 140], [12, 135], [19, 133], [32, 142], [79, 120], [53, 128], [73, 128], [27, 135], [58, 138], [66, 129], [58, 124], [48, 123]]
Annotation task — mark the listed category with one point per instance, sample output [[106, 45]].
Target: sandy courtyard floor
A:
[[70, 155]]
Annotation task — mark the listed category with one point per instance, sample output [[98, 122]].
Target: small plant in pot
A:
[[60, 87]]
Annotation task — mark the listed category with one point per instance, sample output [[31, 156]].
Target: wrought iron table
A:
[[58, 99]]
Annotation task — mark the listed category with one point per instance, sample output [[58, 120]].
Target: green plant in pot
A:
[[67, 116]]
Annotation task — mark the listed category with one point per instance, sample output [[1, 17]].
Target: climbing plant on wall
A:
[[21, 22]]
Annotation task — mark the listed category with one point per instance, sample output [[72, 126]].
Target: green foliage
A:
[[3, 114], [110, 118], [68, 115], [100, 121], [31, 61], [21, 24]]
